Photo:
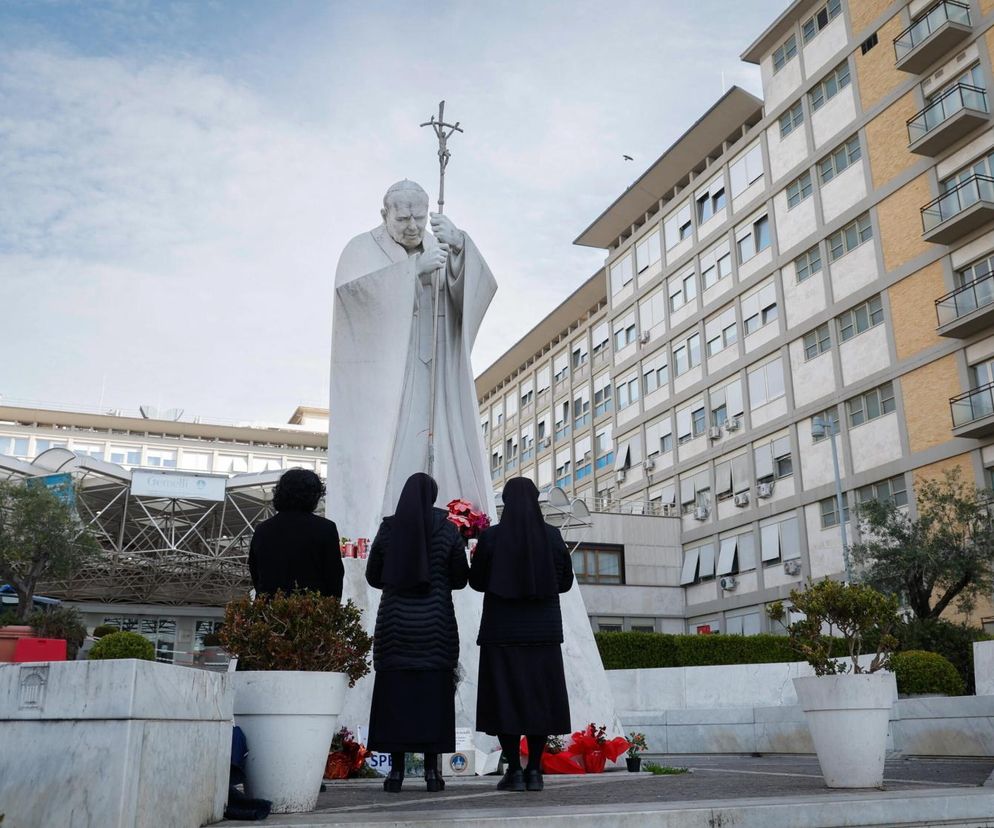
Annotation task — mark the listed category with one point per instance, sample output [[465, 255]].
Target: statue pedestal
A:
[[590, 697]]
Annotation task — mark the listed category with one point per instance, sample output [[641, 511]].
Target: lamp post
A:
[[819, 429]]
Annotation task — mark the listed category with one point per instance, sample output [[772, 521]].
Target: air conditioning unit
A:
[[714, 432], [764, 490], [732, 424], [792, 567], [644, 338], [649, 463], [728, 583], [701, 513], [620, 476], [742, 499]]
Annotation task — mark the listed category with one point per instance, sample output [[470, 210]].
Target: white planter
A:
[[113, 744], [848, 717], [289, 720]]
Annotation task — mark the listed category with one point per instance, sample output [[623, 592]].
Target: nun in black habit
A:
[[417, 559], [521, 565]]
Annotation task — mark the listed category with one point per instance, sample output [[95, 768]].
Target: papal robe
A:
[[381, 380]]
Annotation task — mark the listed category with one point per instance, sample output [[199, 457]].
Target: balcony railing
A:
[[976, 404], [958, 98], [960, 303], [957, 204], [945, 23]]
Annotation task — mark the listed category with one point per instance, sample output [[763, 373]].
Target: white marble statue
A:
[[381, 364]]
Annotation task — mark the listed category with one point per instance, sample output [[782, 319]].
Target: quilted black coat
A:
[[416, 630]]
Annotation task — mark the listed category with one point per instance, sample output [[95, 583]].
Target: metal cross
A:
[[440, 128]]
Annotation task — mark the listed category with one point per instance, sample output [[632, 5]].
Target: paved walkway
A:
[[717, 792]]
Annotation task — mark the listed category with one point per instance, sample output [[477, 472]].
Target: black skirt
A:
[[522, 690], [413, 711]]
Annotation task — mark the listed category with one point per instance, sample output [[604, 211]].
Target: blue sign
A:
[[60, 485]]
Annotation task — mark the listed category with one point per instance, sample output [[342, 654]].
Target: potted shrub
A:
[[636, 745], [846, 703], [123, 645], [295, 655]]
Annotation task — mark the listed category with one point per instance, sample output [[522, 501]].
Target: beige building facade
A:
[[827, 253]]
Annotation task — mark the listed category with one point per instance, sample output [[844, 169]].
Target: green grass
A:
[[662, 770]]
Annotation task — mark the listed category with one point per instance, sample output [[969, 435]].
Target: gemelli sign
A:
[[176, 484]]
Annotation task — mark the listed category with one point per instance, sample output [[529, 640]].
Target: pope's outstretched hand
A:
[[446, 232]]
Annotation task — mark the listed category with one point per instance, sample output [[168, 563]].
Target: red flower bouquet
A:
[[588, 752], [346, 757], [466, 519]]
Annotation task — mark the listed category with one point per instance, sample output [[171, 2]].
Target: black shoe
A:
[[533, 780], [513, 780], [434, 781], [393, 782]]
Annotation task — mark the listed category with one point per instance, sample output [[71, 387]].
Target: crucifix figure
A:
[[408, 306]]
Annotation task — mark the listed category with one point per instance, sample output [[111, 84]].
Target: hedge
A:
[[632, 650], [123, 645], [920, 672]]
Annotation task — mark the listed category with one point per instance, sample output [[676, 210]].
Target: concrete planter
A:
[[113, 744], [848, 717], [289, 720]]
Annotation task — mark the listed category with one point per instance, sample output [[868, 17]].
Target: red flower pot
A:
[[593, 761]]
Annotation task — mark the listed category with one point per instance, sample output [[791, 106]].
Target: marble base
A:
[[590, 696], [983, 667], [113, 744]]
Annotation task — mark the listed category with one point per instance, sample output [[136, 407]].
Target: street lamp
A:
[[820, 429]]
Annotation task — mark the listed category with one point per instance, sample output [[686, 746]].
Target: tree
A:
[[943, 554], [40, 539]]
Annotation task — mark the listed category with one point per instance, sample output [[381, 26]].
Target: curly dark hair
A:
[[298, 490]]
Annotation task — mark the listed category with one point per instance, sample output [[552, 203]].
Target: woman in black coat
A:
[[417, 559], [296, 549], [522, 565]]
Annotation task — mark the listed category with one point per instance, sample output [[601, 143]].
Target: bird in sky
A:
[[627, 157]]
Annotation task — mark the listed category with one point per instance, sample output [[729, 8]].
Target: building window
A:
[[624, 333], [861, 318], [840, 159], [784, 53], [647, 251], [698, 564], [746, 169], [773, 460], [830, 417], [833, 83], [798, 190], [682, 289], [759, 308], [655, 376], [560, 365], [791, 119], [715, 268], [95, 450], [125, 455], [817, 341], [628, 392], [581, 408], [830, 510], [14, 446], [604, 445], [527, 394], [580, 354], [710, 201], [621, 273], [602, 396], [755, 240], [850, 237], [893, 490], [808, 264], [43, 444], [599, 564], [678, 226], [721, 332], [698, 421], [687, 355], [766, 383], [780, 540], [820, 19], [202, 628], [872, 404]]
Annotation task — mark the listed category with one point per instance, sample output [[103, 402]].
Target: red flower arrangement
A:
[[466, 519], [346, 757], [589, 750]]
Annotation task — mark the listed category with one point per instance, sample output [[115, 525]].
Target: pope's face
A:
[[406, 220]]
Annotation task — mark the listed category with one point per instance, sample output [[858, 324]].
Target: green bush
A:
[[60, 622], [918, 671], [123, 645], [632, 650], [952, 641], [104, 629]]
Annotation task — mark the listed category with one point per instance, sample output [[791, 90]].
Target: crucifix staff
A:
[[443, 132]]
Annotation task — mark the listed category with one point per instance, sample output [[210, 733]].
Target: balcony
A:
[[932, 35], [968, 309], [951, 116], [973, 412], [961, 210]]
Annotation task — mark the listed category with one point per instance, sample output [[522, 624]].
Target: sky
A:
[[177, 179]]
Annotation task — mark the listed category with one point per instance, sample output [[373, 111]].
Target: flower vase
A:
[[594, 761]]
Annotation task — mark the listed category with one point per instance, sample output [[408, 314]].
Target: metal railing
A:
[[918, 32], [973, 405], [962, 301], [958, 97], [966, 194]]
